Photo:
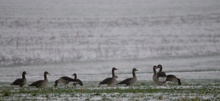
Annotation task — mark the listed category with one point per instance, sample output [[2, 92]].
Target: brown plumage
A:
[[130, 81], [41, 83], [20, 81], [111, 81]]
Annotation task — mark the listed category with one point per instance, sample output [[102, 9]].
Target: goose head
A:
[[134, 69], [24, 72], [74, 74], [45, 73], [114, 69]]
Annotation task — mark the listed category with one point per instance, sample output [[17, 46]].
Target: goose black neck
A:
[[23, 75], [113, 73], [133, 72], [75, 76], [161, 68], [154, 69], [45, 76]]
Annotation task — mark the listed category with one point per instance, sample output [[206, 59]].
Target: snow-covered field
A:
[[33, 32], [89, 37]]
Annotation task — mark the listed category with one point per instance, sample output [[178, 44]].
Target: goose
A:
[[111, 81], [161, 75], [171, 77], [130, 81], [65, 81], [41, 83], [157, 76], [79, 81], [20, 81]]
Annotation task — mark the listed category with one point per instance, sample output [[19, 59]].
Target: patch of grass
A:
[[191, 92], [6, 93], [97, 91]]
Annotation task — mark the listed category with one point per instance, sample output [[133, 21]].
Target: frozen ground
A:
[[89, 37], [186, 68]]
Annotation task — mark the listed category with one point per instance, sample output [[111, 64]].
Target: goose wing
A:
[[106, 81], [18, 81], [161, 74], [67, 78], [126, 81], [37, 83], [173, 78], [170, 77]]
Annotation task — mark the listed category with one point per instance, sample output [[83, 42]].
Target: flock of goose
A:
[[159, 78]]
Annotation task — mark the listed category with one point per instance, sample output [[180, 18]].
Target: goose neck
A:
[[75, 76], [45, 76], [154, 69], [133, 72], [23, 76], [113, 73], [161, 68]]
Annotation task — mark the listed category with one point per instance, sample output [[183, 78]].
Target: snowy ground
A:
[[89, 37], [33, 32], [185, 68]]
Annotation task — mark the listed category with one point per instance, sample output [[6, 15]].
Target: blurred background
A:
[[89, 37]]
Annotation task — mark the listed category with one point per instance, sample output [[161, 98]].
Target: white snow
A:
[[89, 37]]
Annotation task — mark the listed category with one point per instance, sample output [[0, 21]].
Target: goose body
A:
[[20, 81], [41, 83], [130, 81], [65, 81], [111, 81], [173, 78]]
